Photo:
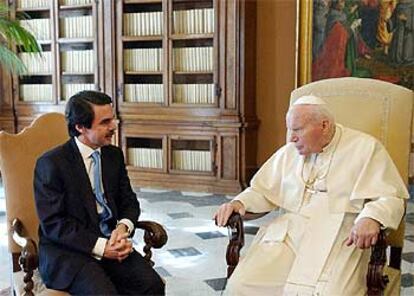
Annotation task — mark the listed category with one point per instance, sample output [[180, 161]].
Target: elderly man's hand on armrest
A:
[[364, 234], [224, 211]]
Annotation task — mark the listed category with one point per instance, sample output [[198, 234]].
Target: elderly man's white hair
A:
[[320, 110]]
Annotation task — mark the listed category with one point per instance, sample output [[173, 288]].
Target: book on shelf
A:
[[75, 2], [193, 93], [77, 27], [192, 160], [70, 89], [32, 3], [144, 93], [193, 21], [77, 61], [143, 59], [193, 59], [143, 23], [37, 63], [36, 92], [145, 157], [40, 27]]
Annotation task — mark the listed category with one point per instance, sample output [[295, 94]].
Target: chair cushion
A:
[[39, 288]]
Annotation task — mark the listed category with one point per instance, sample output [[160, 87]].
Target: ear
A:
[[80, 128], [325, 125]]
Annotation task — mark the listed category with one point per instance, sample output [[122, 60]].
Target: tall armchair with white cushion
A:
[[383, 110], [18, 155]]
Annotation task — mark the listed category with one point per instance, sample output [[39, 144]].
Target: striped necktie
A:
[[106, 213]]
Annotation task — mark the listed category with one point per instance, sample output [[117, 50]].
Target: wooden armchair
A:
[[18, 154], [383, 110]]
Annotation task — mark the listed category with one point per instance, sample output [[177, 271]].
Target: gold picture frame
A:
[[374, 62], [304, 41]]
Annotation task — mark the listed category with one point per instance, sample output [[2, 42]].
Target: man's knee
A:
[[92, 280], [154, 285]]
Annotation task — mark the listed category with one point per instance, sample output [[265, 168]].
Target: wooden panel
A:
[[7, 117], [229, 157], [231, 54]]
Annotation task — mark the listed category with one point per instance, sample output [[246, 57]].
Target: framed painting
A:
[[359, 38]]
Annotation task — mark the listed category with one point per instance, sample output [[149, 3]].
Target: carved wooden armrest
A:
[[236, 242], [376, 281], [28, 259], [155, 236]]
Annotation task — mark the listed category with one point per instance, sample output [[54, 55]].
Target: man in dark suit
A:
[[87, 209]]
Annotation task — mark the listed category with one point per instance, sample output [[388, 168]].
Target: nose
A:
[[114, 124], [292, 137]]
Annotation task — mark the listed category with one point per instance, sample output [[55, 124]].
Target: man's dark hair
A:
[[79, 109]]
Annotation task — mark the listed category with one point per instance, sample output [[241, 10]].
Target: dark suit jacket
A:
[[67, 211]]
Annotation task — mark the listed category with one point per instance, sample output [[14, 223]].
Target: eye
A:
[[106, 121]]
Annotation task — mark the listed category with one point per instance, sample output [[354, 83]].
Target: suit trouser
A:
[[133, 276]]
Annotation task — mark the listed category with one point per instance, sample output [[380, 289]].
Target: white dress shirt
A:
[[86, 153]]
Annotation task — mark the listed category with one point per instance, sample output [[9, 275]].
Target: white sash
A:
[[316, 244]]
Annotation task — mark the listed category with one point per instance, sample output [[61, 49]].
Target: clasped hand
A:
[[118, 247], [364, 233]]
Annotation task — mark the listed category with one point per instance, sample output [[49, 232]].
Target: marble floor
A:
[[193, 261]]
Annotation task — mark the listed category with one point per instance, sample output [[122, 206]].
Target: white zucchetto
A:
[[309, 100]]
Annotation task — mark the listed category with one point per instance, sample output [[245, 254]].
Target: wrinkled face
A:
[[308, 135], [102, 129]]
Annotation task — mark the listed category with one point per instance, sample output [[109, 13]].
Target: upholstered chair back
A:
[[379, 108], [18, 155]]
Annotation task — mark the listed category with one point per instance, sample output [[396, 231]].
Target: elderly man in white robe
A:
[[337, 188]]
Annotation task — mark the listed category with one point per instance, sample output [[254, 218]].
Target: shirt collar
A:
[[85, 150]]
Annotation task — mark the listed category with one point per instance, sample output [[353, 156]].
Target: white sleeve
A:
[[254, 201], [386, 210]]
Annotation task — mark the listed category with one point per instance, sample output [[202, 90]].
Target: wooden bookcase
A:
[[69, 34], [183, 94], [182, 75]]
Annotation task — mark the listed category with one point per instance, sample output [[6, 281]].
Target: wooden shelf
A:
[[34, 9], [184, 105], [75, 7], [143, 73], [36, 74], [78, 73], [156, 104], [193, 73], [35, 102], [192, 36], [189, 1], [142, 38], [142, 1], [44, 42], [76, 40]]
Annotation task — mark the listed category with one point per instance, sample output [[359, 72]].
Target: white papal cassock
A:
[[303, 251]]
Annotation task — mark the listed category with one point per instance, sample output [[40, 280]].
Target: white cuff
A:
[[99, 249], [128, 223], [387, 211]]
